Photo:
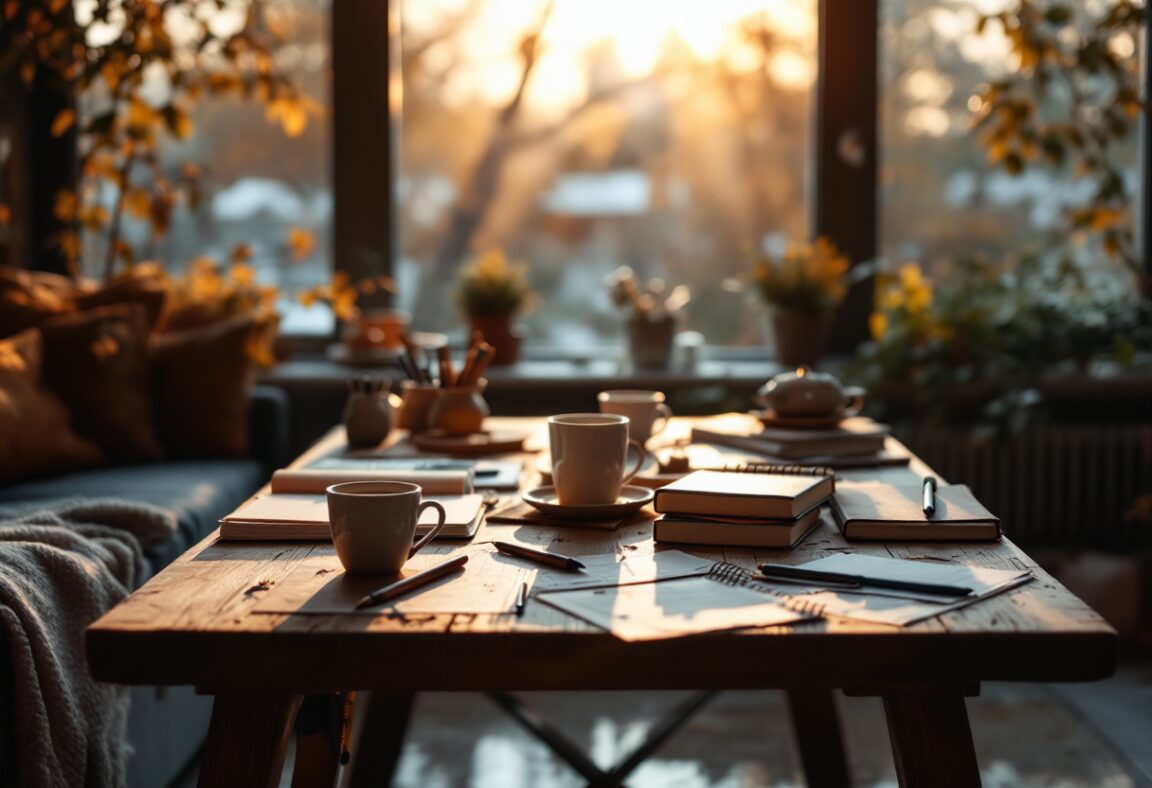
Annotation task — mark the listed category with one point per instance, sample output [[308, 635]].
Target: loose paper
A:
[[672, 608], [487, 584]]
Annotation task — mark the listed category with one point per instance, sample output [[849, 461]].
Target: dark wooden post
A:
[[366, 98], [34, 167], [846, 101], [1144, 219]]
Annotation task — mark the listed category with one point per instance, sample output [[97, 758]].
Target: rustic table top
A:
[[194, 624]]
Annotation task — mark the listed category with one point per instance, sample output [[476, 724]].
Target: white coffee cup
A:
[[589, 454], [373, 524], [646, 411]]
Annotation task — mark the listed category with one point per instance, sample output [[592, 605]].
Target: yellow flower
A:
[[910, 276], [878, 323], [805, 276]]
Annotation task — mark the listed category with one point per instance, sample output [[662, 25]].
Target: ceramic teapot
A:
[[807, 393]]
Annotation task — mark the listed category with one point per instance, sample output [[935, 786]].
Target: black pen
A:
[[522, 598], [929, 495], [394, 590], [816, 575], [540, 556]]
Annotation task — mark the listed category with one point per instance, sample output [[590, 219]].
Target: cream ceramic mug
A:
[[373, 524], [589, 454], [647, 414]]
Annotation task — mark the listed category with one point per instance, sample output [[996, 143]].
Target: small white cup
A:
[[647, 414], [373, 524], [589, 454]]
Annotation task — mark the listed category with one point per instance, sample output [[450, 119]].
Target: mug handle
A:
[[853, 400], [641, 458], [664, 415], [428, 537]]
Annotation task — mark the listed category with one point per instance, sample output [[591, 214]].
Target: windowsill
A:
[[530, 371]]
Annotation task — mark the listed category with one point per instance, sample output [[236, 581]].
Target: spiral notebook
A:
[[728, 597], [722, 599]]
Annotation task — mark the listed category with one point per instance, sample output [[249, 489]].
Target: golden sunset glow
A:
[[636, 33]]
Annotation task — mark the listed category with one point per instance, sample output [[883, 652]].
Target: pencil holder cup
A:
[[460, 410], [417, 400], [367, 418]]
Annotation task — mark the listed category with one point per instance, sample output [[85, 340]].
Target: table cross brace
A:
[[569, 752]]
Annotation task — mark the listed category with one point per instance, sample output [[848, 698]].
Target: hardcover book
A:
[[783, 493], [735, 532], [853, 437], [873, 510]]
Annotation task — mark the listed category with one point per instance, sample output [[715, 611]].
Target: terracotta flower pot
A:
[[801, 337], [501, 333]]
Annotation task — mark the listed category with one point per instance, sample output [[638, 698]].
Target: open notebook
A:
[[715, 600], [301, 516]]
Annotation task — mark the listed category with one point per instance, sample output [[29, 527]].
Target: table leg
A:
[[819, 737], [247, 739], [931, 739], [319, 740], [381, 738]]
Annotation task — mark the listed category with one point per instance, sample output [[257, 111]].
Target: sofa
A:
[[167, 725], [119, 393]]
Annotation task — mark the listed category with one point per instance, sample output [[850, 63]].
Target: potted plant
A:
[[801, 287], [651, 315], [492, 292]]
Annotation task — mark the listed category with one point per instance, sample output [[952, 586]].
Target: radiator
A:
[[1056, 485]]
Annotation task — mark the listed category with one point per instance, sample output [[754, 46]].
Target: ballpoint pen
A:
[[521, 598], [929, 495], [843, 578], [540, 556], [394, 590]]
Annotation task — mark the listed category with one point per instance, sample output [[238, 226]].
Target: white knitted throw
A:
[[61, 568]]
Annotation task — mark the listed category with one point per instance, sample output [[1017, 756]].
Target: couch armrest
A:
[[268, 426]]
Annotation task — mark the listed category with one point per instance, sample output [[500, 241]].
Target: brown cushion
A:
[[28, 298], [145, 284], [35, 437], [201, 378], [97, 362]]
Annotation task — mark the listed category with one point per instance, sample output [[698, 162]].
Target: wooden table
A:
[[193, 624]]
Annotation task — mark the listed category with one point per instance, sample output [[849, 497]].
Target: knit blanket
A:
[[61, 568]]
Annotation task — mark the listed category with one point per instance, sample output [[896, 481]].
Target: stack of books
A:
[[760, 506], [853, 442]]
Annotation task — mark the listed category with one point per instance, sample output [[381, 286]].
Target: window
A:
[[939, 195], [581, 135], [258, 184]]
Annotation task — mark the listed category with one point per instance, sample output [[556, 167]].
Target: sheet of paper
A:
[[671, 608], [889, 606], [981, 580], [617, 568], [488, 584]]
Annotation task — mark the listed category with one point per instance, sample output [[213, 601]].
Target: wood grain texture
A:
[[193, 624], [247, 739], [931, 739]]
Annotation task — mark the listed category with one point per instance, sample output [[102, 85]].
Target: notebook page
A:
[[671, 608]]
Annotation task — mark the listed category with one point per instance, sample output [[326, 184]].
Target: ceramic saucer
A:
[[470, 444], [631, 500]]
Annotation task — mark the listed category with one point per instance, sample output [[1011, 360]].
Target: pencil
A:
[[393, 590], [541, 556], [447, 374]]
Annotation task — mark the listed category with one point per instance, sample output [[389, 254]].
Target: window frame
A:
[[844, 196]]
